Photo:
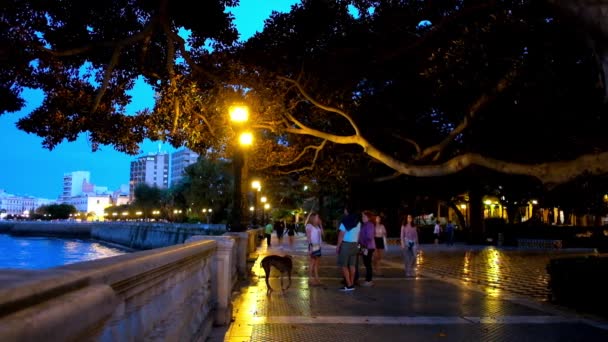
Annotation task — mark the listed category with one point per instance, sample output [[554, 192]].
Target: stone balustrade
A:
[[174, 293]]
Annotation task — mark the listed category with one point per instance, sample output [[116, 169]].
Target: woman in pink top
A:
[[314, 236], [409, 245]]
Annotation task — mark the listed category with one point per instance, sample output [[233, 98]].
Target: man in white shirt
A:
[[437, 231]]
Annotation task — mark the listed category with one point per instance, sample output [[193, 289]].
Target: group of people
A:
[[449, 233], [360, 236], [280, 227]]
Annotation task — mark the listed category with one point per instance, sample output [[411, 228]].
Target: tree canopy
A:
[[399, 87]]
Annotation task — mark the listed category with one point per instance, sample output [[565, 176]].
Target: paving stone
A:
[[437, 305]]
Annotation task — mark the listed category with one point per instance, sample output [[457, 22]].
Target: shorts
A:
[[348, 254], [379, 242]]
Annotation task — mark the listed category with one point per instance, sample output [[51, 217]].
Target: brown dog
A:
[[281, 263]]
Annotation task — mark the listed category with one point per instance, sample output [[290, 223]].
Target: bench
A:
[[540, 243]]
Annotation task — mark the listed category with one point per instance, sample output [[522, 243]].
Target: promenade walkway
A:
[[462, 293]]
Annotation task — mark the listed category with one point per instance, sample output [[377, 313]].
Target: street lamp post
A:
[[239, 115], [266, 207], [257, 187], [263, 200]]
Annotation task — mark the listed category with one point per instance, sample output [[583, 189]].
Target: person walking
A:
[[279, 227], [346, 248], [368, 244], [268, 233], [291, 232], [380, 239], [437, 232], [314, 236], [409, 245], [449, 232]]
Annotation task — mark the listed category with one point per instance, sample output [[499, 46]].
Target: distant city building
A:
[[121, 196], [91, 203], [86, 197], [73, 183], [179, 161], [20, 205], [152, 170]]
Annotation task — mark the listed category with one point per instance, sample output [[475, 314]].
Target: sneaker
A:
[[368, 283], [344, 288], [350, 288]]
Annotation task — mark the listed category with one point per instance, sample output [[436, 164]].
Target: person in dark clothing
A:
[[291, 232], [279, 227]]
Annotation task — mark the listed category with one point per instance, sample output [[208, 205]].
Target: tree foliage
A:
[[147, 198], [419, 88], [207, 185], [55, 211]]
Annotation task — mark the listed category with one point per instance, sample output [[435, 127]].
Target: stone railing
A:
[[248, 242], [174, 293], [145, 235]]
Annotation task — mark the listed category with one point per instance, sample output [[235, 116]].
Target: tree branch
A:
[[408, 140], [312, 164], [387, 178], [548, 173], [442, 26], [211, 130], [317, 149], [112, 44], [106, 77], [188, 58], [320, 105], [475, 108]]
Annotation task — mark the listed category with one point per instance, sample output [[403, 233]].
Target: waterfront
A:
[[18, 252]]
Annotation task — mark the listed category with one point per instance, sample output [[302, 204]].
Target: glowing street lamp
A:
[[256, 184], [239, 115], [246, 139]]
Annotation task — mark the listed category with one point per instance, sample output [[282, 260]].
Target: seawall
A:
[[134, 235], [143, 235]]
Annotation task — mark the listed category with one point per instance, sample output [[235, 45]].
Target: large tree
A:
[[423, 88]]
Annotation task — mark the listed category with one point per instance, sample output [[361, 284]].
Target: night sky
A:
[[29, 169]]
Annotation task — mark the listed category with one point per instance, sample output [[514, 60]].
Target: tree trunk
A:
[[462, 220], [476, 225]]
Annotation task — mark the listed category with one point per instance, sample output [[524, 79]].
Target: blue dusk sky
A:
[[29, 169]]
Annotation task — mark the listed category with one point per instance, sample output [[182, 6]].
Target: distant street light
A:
[[266, 207], [207, 213]]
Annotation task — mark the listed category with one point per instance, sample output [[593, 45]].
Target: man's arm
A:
[[340, 239]]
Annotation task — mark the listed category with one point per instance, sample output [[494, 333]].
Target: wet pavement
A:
[[462, 293]]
